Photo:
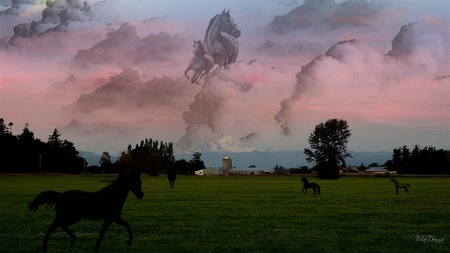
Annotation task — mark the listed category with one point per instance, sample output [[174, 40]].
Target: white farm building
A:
[[210, 171], [382, 169]]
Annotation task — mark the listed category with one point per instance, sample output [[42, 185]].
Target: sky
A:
[[111, 73]]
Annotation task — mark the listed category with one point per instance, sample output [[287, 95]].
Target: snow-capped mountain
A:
[[225, 144]]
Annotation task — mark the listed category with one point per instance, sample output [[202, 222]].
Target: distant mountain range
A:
[[224, 144], [243, 155]]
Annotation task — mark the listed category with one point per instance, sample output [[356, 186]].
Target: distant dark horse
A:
[[306, 185], [398, 185], [105, 204], [171, 175]]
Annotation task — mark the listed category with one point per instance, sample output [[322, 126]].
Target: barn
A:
[[376, 170], [210, 171], [250, 171]]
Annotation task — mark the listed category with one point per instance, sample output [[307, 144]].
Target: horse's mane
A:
[[210, 24], [113, 183]]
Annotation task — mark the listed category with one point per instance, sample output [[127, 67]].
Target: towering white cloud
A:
[[353, 78]]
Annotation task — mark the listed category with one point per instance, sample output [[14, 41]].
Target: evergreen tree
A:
[[54, 139]]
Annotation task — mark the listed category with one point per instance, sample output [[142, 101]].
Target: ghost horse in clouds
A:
[[201, 63], [220, 45], [221, 39]]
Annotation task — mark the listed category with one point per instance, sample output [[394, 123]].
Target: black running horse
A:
[[306, 185], [105, 204], [399, 186]]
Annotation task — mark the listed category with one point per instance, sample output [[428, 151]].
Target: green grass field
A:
[[241, 214]]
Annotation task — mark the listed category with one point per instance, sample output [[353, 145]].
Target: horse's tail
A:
[[48, 197], [318, 189]]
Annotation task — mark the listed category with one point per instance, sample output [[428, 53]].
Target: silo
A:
[[227, 165]]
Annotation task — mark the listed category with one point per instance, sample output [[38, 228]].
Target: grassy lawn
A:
[[241, 214]]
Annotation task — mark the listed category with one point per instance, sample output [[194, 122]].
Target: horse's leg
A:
[[187, 70], [396, 190], [50, 230], [122, 222], [206, 70], [195, 76], [65, 227], [202, 74], [105, 226], [73, 237], [314, 190]]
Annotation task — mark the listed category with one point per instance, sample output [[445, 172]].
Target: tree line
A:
[[328, 141], [150, 156], [153, 157], [24, 153], [427, 160], [328, 149]]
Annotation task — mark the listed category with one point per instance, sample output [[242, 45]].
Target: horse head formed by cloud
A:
[[220, 44], [221, 39]]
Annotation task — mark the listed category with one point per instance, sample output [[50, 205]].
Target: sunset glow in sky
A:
[[111, 73]]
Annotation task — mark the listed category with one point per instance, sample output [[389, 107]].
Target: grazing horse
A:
[[306, 185], [172, 176], [399, 186], [201, 63], [105, 204], [221, 39]]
